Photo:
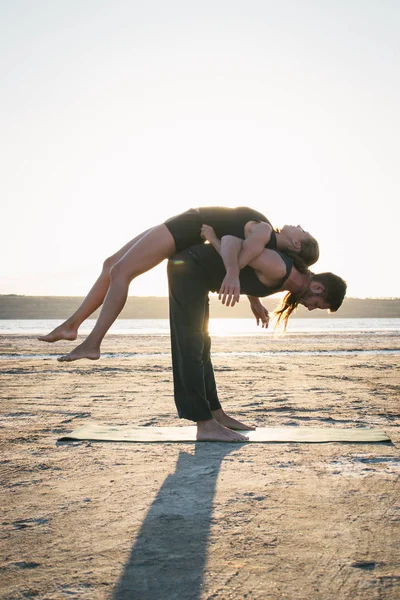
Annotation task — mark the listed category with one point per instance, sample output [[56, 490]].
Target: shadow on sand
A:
[[168, 558]]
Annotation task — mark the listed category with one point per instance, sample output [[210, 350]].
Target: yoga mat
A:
[[129, 433]]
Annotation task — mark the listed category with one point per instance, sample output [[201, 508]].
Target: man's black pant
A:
[[195, 390]]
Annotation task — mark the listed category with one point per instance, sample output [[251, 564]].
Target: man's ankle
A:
[[218, 412], [205, 424]]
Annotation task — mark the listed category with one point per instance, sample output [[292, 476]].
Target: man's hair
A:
[[335, 289], [333, 294]]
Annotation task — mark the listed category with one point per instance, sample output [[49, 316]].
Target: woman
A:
[[154, 245]]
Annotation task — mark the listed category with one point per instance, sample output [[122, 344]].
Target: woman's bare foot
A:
[[62, 332], [221, 417], [211, 431], [81, 351]]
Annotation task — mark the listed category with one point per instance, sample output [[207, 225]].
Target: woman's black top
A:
[[185, 228], [213, 267]]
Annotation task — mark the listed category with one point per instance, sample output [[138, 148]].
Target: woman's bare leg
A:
[[69, 329], [157, 245]]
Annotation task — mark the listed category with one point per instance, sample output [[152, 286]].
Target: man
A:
[[192, 274]]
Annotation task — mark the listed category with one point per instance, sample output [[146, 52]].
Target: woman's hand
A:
[[208, 233], [259, 311]]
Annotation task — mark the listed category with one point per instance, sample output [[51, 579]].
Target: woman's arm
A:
[[257, 236]]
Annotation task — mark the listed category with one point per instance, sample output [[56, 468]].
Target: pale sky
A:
[[117, 115]]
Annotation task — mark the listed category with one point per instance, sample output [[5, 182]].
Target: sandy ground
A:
[[200, 521]]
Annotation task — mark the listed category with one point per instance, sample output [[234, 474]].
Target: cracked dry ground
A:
[[199, 521]]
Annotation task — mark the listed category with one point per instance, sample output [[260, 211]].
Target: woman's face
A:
[[296, 234]]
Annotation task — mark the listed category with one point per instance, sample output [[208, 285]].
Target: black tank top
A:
[[231, 221], [211, 262]]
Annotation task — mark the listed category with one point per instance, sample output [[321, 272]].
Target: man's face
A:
[[314, 301]]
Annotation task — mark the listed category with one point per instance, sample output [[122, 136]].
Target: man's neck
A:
[[297, 282]]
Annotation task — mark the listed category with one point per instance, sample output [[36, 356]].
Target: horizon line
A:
[[166, 297]]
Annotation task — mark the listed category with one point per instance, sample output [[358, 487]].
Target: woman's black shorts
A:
[[185, 229]]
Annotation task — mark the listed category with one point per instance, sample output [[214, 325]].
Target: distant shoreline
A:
[[153, 307]]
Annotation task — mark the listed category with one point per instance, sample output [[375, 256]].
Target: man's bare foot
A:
[[81, 351], [211, 431], [221, 417], [62, 332]]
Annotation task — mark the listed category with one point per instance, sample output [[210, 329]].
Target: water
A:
[[272, 353], [223, 327], [218, 327]]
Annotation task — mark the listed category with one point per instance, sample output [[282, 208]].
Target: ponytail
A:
[[288, 305], [290, 301]]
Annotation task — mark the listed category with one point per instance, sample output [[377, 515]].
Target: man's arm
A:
[[229, 248], [259, 311], [229, 291], [268, 266], [257, 237]]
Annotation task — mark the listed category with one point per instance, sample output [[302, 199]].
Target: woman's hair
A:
[[333, 294], [290, 301], [288, 305], [298, 261], [309, 251]]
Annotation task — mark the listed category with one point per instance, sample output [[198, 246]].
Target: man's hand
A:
[[229, 291], [260, 312]]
